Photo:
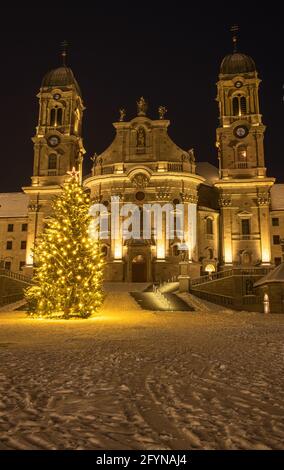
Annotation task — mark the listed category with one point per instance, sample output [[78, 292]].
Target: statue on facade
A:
[[141, 138], [141, 107], [191, 155], [94, 159], [122, 114], [162, 110]]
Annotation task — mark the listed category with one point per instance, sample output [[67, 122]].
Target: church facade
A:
[[235, 212]]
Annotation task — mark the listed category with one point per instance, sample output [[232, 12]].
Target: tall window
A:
[[239, 104], [209, 226], [7, 265], [243, 105], [56, 116], [9, 245], [53, 117], [59, 117], [245, 227], [276, 240], [235, 106], [10, 228], [52, 161]]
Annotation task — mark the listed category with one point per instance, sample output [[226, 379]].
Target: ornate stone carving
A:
[[140, 181], [263, 199], [225, 201], [189, 197], [163, 193], [141, 107], [34, 207], [162, 110]]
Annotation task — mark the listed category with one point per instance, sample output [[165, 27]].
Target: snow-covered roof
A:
[[13, 205], [208, 171], [276, 275], [277, 197]]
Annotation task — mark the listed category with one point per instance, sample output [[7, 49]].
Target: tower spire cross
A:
[[234, 31], [64, 46]]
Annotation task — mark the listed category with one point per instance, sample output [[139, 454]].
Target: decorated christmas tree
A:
[[68, 265]]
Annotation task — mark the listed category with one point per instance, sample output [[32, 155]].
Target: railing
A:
[[10, 299], [261, 271], [211, 277], [17, 276], [175, 167], [214, 298], [228, 300], [241, 165]]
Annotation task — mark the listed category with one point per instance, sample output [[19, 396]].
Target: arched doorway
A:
[[139, 269]]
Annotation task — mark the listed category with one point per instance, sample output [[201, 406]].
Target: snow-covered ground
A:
[[133, 379]]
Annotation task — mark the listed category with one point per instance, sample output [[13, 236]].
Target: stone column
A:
[[226, 229], [34, 223], [264, 222]]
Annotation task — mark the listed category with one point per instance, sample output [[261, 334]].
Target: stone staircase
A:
[[232, 288], [162, 298]]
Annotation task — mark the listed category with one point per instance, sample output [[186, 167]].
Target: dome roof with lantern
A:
[[61, 76], [237, 62]]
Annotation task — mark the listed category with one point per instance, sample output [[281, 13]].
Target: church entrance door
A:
[[139, 269]]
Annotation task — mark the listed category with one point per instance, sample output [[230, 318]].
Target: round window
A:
[[140, 196]]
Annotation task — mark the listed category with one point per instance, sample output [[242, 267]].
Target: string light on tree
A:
[[68, 263]]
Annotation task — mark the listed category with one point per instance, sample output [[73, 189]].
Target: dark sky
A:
[[170, 56]]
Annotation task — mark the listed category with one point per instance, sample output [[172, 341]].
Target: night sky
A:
[[171, 57]]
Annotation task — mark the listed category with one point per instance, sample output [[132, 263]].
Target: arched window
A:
[[243, 105], [59, 116], [53, 117], [56, 116], [235, 106], [239, 104], [52, 161], [209, 226]]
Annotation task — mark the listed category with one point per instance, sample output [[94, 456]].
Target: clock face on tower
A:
[[238, 84], [53, 141], [57, 96], [241, 131]]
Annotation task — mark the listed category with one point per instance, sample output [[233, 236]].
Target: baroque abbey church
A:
[[236, 212]]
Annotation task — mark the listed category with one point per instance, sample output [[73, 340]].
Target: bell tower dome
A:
[[58, 143], [241, 131], [58, 146], [243, 185]]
